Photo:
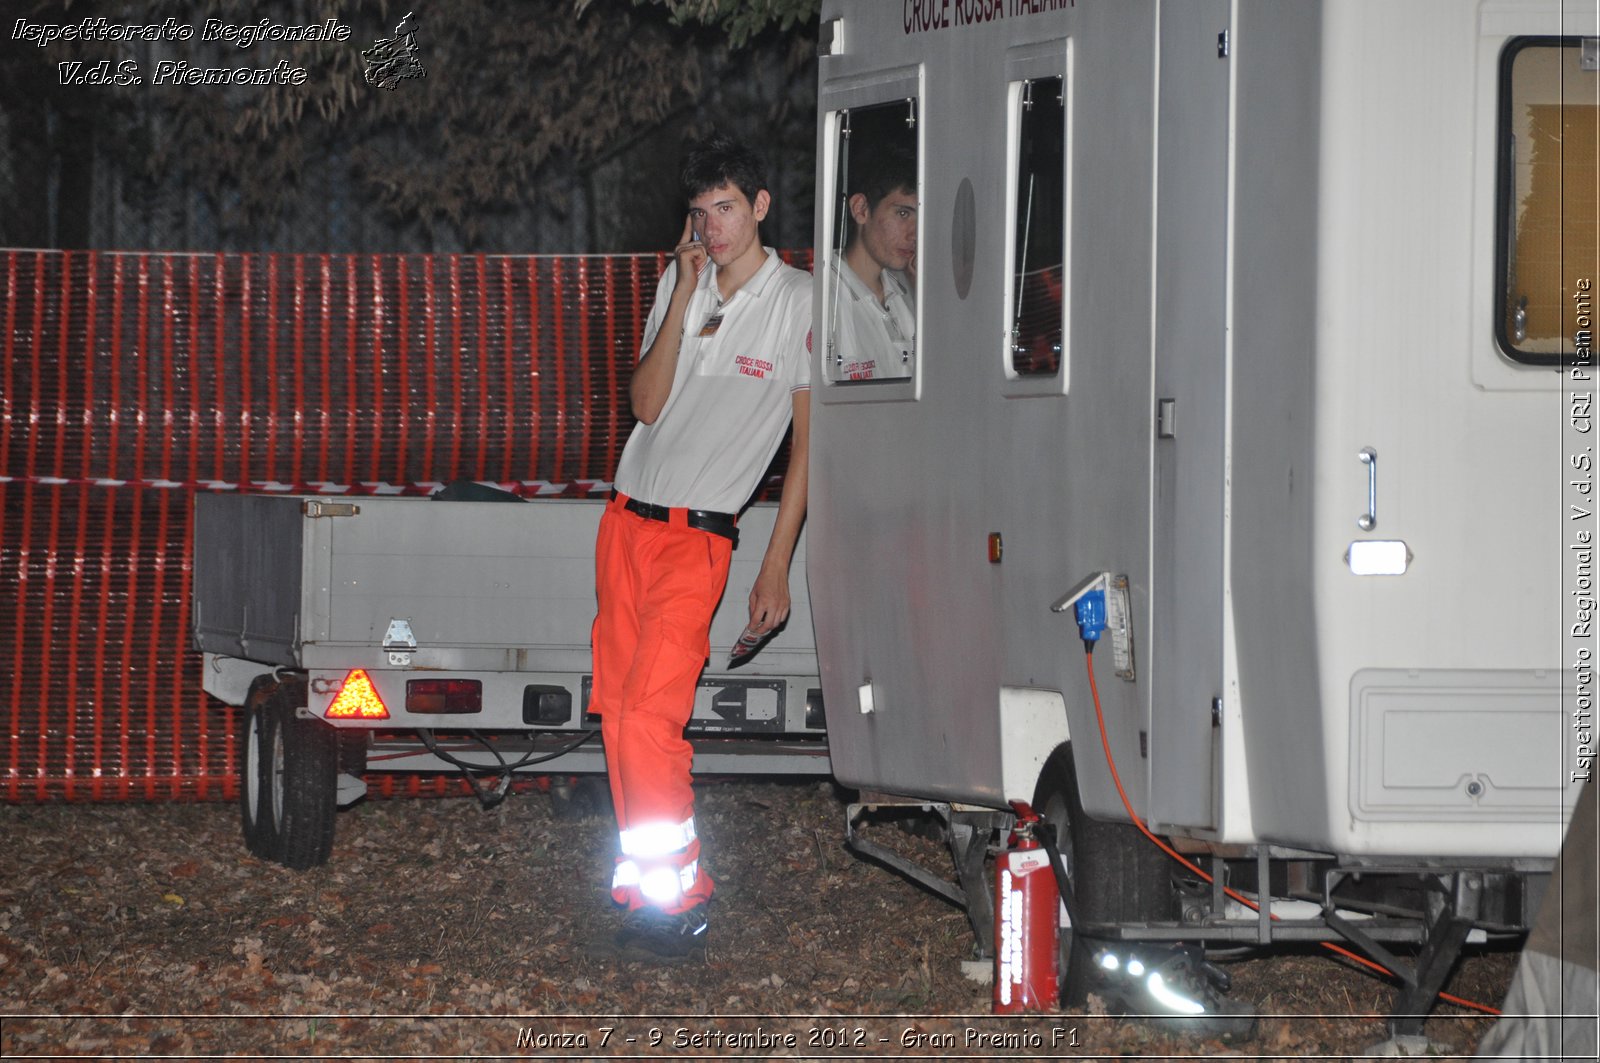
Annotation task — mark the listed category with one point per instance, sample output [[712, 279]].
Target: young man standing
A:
[[724, 369]]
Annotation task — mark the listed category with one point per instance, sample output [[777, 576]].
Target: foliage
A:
[[519, 102], [741, 20], [505, 103]]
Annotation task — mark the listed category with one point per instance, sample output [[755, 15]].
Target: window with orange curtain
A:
[[1550, 194]]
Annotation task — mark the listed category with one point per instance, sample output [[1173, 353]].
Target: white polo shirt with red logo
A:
[[732, 394], [871, 340]]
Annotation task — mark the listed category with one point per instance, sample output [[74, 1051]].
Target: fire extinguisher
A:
[[1026, 922]]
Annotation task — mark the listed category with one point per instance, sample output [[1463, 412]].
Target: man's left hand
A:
[[769, 602]]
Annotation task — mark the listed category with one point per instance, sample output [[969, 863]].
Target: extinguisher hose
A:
[[1046, 833], [1111, 762]]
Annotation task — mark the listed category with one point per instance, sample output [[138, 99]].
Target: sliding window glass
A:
[[1036, 281], [870, 266]]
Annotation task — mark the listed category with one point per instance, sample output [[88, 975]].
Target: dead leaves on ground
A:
[[440, 928]]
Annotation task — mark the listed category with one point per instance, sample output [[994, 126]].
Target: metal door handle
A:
[[1369, 520]]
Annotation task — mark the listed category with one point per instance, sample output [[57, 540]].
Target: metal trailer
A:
[[469, 622], [1292, 395]]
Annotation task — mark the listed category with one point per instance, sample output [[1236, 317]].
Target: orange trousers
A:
[[658, 583]]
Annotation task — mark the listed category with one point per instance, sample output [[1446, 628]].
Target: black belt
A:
[[706, 520]]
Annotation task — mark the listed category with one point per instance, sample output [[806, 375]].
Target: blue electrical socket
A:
[[1091, 613]]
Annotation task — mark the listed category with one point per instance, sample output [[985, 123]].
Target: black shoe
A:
[[653, 936]]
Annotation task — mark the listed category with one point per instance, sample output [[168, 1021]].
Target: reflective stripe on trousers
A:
[[658, 585], [662, 886], [648, 862]]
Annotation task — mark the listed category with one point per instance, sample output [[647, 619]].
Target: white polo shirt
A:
[[732, 394], [871, 340]]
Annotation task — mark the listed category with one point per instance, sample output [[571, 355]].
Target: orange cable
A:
[[1111, 763]]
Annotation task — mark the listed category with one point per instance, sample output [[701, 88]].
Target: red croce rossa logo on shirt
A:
[[749, 365]]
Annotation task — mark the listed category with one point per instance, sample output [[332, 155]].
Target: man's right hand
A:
[[691, 254], [651, 384]]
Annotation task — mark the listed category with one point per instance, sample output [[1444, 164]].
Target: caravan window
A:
[[870, 267], [1035, 285], [1547, 253]]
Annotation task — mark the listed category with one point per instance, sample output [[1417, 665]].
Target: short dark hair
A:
[[721, 160], [879, 172]]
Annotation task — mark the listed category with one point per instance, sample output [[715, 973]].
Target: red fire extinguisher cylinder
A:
[[1026, 923]]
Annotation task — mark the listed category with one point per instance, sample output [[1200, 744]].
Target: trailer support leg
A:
[[894, 861], [1264, 892], [969, 844], [969, 835], [1447, 932]]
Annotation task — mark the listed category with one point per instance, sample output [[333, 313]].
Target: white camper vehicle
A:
[[1265, 322]]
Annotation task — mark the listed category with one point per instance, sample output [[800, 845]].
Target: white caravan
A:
[[1268, 320]]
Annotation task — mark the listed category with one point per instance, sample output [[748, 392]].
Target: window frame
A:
[[1033, 62], [870, 90], [1505, 177]]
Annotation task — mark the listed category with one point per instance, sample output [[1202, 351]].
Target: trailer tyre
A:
[[580, 798], [253, 785], [1117, 875], [299, 763]]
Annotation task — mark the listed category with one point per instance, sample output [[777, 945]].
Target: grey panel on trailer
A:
[[479, 585], [247, 578], [464, 573]]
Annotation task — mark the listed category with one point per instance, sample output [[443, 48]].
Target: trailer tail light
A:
[[444, 697], [358, 700]]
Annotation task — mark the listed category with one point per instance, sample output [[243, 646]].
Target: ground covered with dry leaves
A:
[[441, 929]]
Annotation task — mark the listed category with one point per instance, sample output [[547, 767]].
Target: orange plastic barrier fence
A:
[[131, 381]]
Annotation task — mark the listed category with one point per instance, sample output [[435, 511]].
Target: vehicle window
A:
[[1548, 221], [1035, 295], [870, 267]]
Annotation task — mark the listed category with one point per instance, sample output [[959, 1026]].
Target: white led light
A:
[[1109, 961], [1172, 1001], [1135, 968]]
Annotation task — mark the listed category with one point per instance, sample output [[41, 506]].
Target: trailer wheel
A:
[[581, 797], [252, 777], [1117, 875], [299, 771]]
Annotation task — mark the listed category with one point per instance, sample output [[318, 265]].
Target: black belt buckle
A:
[[648, 511]]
